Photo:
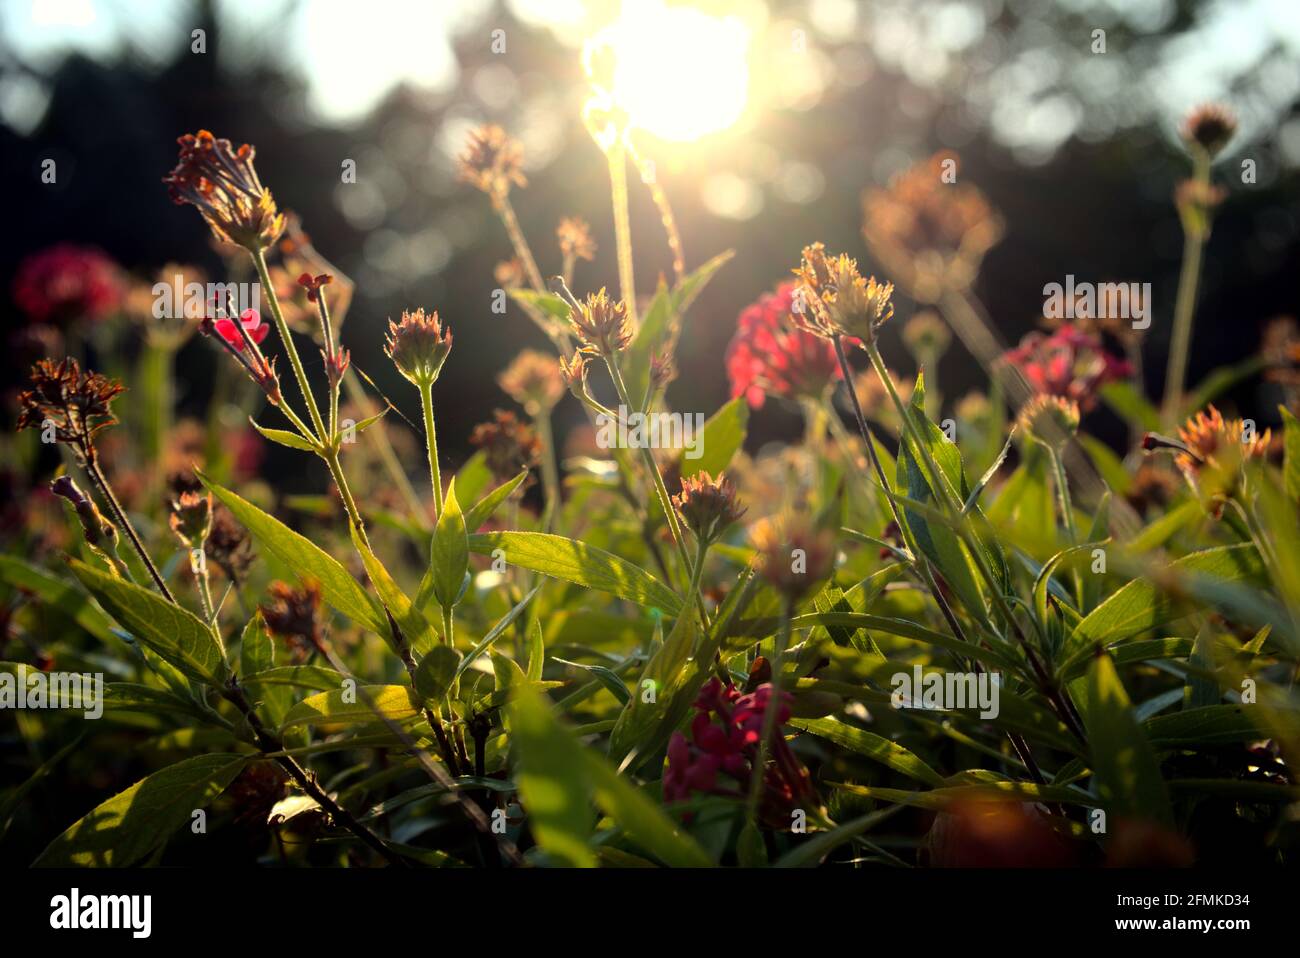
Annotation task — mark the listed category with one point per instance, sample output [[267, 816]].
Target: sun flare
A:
[[676, 71]]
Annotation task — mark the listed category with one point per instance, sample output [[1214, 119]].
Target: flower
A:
[[1050, 420], [534, 381], [575, 239], [65, 283], [795, 553], [770, 356], [930, 231], [723, 741], [1068, 363], [418, 346], [293, 615], [313, 284], [77, 405], [1208, 128], [1215, 451], [250, 320], [927, 337], [601, 323], [508, 444], [492, 161], [221, 182], [707, 505], [836, 300]]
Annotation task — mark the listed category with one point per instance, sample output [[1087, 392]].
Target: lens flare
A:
[[675, 71]]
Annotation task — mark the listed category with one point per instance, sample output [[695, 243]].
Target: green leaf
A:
[[872, 746], [722, 436], [436, 672], [557, 774], [1131, 406], [482, 510], [449, 553], [605, 676], [306, 559], [577, 562], [536, 651], [369, 703], [296, 676], [815, 849], [548, 304], [136, 822], [285, 438], [693, 283], [1123, 760], [1291, 454], [61, 595], [1211, 725], [256, 650], [177, 635], [415, 628], [1141, 605], [650, 715], [486, 642]]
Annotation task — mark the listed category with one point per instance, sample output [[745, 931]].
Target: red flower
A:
[[251, 320], [768, 356], [67, 282], [1070, 363]]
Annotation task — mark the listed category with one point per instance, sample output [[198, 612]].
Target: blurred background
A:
[[765, 122]]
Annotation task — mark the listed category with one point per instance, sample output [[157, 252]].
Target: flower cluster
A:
[[1069, 363], [77, 405], [508, 445], [724, 741], [65, 283], [770, 356], [220, 181]]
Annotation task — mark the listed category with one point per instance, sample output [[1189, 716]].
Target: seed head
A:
[[77, 404], [601, 323], [707, 505], [418, 346], [221, 182], [492, 161], [1209, 127]]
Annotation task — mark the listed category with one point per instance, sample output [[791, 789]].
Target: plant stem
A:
[[1185, 306], [379, 436], [757, 775], [550, 471], [847, 371], [331, 457], [286, 337], [617, 157], [91, 459], [431, 446], [511, 222]]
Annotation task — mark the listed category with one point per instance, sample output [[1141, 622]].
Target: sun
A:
[[676, 71]]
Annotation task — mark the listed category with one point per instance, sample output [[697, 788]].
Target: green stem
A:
[[617, 157], [1185, 307], [97, 476], [431, 446], [286, 337], [550, 471], [769, 714]]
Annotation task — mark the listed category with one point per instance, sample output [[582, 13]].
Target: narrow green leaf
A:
[[482, 510], [449, 553], [177, 635], [354, 706], [285, 438], [718, 442], [872, 746], [136, 822]]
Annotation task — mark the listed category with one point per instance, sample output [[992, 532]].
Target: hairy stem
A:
[[97, 476], [1185, 307], [286, 338], [617, 157], [431, 446]]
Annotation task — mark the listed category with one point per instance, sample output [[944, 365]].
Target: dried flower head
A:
[[1215, 453], [293, 615], [221, 182], [1050, 420], [770, 356], [492, 161], [534, 381], [508, 444], [794, 551], [228, 546], [1208, 128], [601, 324], [927, 337], [833, 299], [100, 533], [930, 230], [575, 239], [707, 505], [66, 283], [73, 404], [418, 346], [509, 273], [191, 518], [663, 369]]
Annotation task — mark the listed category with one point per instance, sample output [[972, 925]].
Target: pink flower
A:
[[768, 356], [1070, 363], [251, 320], [65, 283]]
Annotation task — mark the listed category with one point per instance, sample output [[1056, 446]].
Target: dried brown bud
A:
[[72, 405], [601, 323], [418, 346], [1209, 127], [492, 161], [294, 616]]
